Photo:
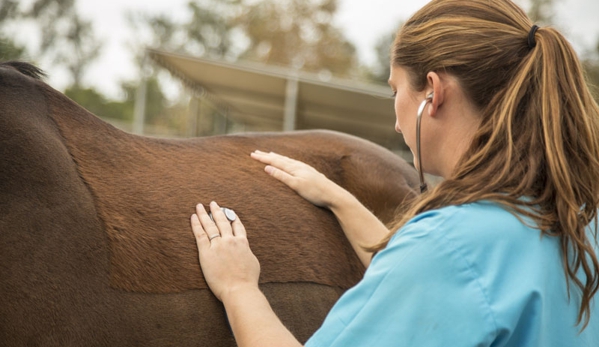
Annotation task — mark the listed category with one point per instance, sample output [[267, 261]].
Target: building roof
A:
[[268, 98]]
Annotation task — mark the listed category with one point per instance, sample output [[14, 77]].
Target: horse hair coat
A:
[[95, 243]]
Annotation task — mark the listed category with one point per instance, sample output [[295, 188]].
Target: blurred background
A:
[[181, 68]]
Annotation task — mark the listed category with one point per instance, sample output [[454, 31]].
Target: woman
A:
[[503, 252]]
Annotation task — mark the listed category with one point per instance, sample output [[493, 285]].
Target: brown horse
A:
[[95, 243]]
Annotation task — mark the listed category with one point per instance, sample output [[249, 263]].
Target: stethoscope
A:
[[429, 98]]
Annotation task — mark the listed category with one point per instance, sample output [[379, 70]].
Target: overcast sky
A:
[[364, 22]]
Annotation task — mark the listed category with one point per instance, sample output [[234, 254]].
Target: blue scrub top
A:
[[467, 275]]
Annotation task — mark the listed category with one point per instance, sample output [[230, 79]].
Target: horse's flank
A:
[[95, 229]]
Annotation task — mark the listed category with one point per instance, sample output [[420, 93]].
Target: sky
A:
[[363, 21]]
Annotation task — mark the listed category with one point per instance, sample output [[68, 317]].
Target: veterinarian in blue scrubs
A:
[[503, 252]]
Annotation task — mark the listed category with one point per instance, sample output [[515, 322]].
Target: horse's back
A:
[[95, 243]]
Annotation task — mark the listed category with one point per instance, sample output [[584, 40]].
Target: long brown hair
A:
[[539, 130]]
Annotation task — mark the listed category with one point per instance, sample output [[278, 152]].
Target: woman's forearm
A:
[[361, 227], [253, 321]]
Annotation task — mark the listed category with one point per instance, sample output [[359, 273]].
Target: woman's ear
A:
[[435, 85]]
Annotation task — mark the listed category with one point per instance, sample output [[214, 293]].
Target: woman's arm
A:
[[232, 271], [361, 227], [253, 321]]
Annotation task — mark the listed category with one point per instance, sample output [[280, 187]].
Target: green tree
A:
[[156, 102], [76, 47], [591, 67], [296, 33], [211, 27], [97, 104], [66, 39], [9, 50], [379, 72], [293, 33], [542, 11], [207, 32]]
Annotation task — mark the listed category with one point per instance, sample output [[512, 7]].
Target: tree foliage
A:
[[380, 71], [65, 39], [76, 48], [591, 68], [155, 98], [206, 32], [296, 33], [542, 11], [9, 50], [99, 105], [293, 33]]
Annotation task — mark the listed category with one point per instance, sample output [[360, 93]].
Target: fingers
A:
[[280, 175], [226, 261], [199, 233], [263, 157], [238, 228], [222, 223], [207, 229], [282, 168], [276, 160], [210, 228]]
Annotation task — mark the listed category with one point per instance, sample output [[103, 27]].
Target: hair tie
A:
[[531, 36]]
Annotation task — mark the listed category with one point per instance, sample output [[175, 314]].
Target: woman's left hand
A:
[[227, 262]]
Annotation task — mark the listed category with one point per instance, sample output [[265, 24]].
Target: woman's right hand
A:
[[301, 177]]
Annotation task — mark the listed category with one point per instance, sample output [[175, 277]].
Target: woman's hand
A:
[[360, 226], [304, 179], [227, 262], [232, 272]]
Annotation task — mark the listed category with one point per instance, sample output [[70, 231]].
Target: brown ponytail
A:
[[539, 132]]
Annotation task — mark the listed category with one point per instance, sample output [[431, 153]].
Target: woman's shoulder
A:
[[477, 223], [476, 214]]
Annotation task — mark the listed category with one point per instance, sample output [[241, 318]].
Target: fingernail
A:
[[213, 203], [200, 206], [269, 169]]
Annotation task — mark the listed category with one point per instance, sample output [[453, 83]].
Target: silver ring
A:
[[213, 237]]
